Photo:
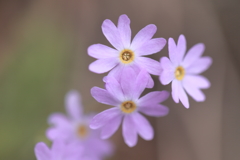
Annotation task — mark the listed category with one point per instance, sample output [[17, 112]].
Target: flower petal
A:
[[200, 65], [58, 119], [114, 88], [58, 148], [193, 55], [152, 66], [116, 72], [143, 127], [104, 117], [183, 96], [112, 34], [175, 88], [181, 48], [154, 97], [143, 36], [140, 84], [197, 81], [194, 92], [103, 96], [42, 152], [124, 30], [127, 81], [167, 74], [172, 51], [110, 128], [155, 110], [59, 133], [150, 47], [101, 51], [73, 104], [103, 65], [129, 131], [137, 69]]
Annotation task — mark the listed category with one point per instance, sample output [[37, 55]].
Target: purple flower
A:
[[75, 128], [125, 97], [183, 71], [127, 54], [59, 151]]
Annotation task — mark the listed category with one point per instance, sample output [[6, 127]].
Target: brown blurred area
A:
[[207, 131]]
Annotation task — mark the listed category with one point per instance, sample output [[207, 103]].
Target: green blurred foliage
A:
[[32, 86]]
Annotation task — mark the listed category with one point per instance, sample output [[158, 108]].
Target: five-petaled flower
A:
[[124, 97], [127, 54], [74, 128], [183, 71]]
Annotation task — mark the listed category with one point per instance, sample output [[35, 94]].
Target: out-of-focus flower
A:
[[183, 71], [74, 128], [127, 54], [59, 151], [125, 97]]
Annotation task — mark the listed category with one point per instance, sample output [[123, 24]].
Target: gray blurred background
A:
[[43, 54]]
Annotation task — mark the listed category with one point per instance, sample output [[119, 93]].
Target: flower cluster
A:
[[76, 136], [72, 138], [130, 74]]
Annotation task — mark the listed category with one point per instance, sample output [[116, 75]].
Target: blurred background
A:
[[43, 54]]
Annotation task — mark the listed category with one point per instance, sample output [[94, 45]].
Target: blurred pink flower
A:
[[75, 128], [183, 71], [59, 151], [127, 54], [125, 97]]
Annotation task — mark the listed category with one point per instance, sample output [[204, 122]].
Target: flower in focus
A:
[[75, 128], [125, 97], [183, 71], [59, 151], [127, 54]]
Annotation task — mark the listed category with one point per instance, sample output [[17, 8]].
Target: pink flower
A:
[[183, 71], [74, 128], [59, 151], [124, 97], [127, 54]]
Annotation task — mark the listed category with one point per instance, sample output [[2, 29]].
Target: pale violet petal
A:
[[183, 96], [104, 117], [124, 30], [101, 51], [152, 66], [110, 128], [103, 65], [73, 104], [129, 131], [199, 65], [143, 36], [175, 88], [193, 55], [112, 34], [143, 127], [150, 47], [155, 110], [103, 96], [42, 152]]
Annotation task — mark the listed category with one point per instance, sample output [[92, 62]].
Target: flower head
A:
[[124, 97], [59, 151], [75, 128], [183, 71], [126, 54]]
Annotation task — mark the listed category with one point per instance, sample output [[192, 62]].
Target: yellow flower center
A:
[[179, 73], [82, 131], [128, 106], [126, 56]]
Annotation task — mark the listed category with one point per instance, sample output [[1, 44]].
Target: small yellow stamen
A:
[[82, 131], [126, 56], [128, 106], [179, 73]]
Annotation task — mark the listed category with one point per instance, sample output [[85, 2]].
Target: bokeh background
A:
[[43, 54]]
